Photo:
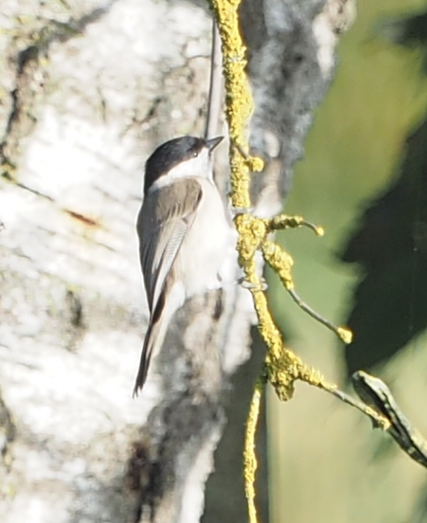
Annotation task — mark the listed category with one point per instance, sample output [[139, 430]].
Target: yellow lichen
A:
[[282, 367]]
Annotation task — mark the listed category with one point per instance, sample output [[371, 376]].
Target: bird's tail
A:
[[156, 331], [147, 350]]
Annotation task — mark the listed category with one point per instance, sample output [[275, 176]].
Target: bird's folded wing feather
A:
[[164, 219]]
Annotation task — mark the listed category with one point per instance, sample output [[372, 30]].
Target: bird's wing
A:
[[164, 219]]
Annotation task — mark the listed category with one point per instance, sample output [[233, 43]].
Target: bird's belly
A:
[[208, 255]]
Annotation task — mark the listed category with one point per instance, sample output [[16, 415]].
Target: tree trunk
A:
[[87, 91]]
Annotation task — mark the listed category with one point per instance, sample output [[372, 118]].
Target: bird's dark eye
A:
[[195, 154]]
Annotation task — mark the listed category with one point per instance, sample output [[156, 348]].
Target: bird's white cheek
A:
[[200, 166]]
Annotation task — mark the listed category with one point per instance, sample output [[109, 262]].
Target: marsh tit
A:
[[186, 237]]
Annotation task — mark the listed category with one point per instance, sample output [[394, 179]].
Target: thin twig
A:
[[377, 418], [342, 333], [215, 85]]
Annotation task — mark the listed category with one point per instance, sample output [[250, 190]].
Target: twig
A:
[[378, 419], [215, 85]]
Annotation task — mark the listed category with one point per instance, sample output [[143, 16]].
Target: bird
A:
[[187, 241]]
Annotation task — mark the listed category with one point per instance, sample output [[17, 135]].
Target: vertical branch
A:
[[282, 366], [249, 455], [238, 101], [239, 106]]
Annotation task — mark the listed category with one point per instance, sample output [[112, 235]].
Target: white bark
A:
[[88, 89]]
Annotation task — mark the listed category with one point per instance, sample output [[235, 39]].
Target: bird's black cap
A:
[[173, 152]]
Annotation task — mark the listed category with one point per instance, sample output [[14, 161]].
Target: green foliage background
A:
[[326, 463]]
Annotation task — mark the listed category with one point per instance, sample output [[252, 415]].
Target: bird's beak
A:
[[213, 142]]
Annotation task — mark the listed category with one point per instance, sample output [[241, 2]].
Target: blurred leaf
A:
[[390, 303], [410, 31]]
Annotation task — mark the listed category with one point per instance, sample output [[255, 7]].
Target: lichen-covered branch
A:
[[282, 367]]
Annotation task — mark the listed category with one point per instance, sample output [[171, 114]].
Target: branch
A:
[[282, 367], [375, 393]]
